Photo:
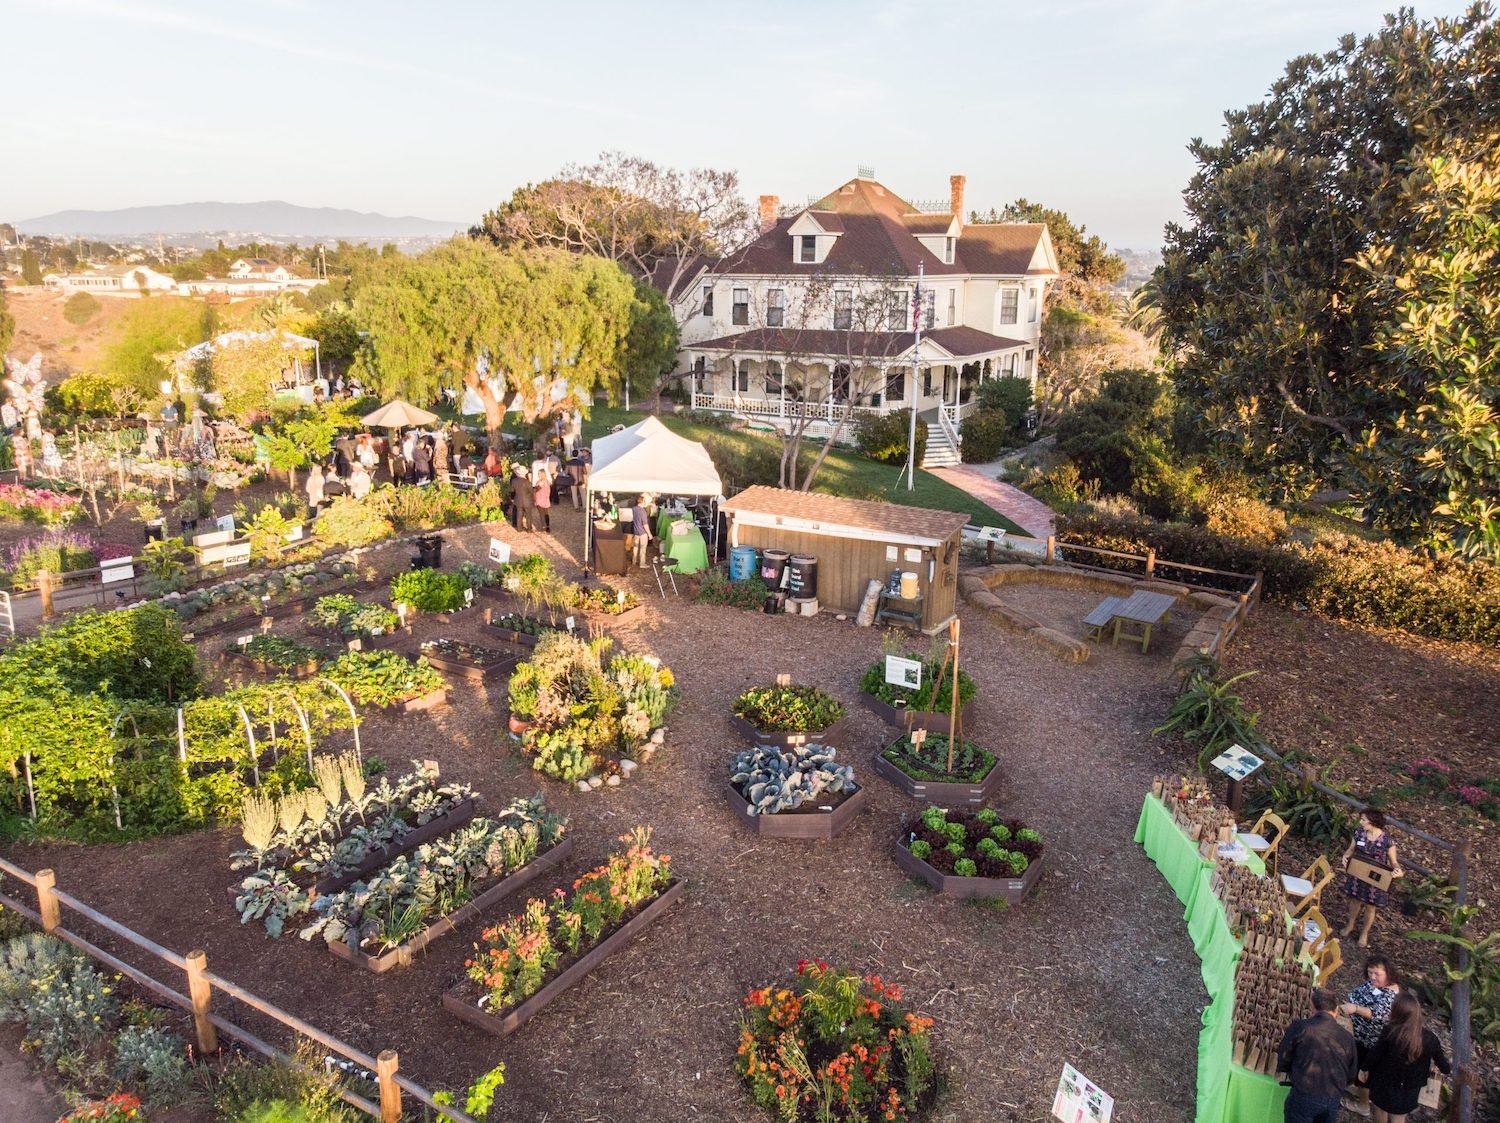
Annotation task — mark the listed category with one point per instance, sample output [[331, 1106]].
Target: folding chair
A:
[[1329, 960], [1265, 837], [1307, 890], [1312, 916], [660, 565]]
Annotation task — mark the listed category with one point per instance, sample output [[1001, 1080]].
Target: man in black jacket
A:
[[1317, 1054]]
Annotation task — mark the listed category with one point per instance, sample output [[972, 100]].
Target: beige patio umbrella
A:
[[398, 415]]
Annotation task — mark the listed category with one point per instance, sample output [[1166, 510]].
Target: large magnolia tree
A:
[[535, 331], [1310, 303]]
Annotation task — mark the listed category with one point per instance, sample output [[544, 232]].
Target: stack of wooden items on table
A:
[[1272, 989], [1195, 811], [1252, 903]]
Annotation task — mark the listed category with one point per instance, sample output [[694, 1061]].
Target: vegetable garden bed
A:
[[267, 667], [824, 819], [898, 717], [418, 702], [463, 1001], [467, 660], [379, 642], [964, 852], [401, 955], [930, 785], [785, 715], [1013, 890]]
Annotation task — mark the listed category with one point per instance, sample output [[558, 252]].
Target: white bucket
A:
[[909, 586]]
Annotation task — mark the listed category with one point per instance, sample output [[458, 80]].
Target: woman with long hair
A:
[[1401, 1061], [1374, 844], [1368, 1008]]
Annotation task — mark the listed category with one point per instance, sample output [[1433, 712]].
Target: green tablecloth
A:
[[1174, 853], [687, 547], [1252, 1097]]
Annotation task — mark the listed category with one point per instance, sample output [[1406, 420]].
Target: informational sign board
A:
[[903, 672], [225, 522], [1080, 1100], [499, 551], [119, 569], [1237, 762]]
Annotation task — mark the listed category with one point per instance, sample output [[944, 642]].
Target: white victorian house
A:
[[819, 316]]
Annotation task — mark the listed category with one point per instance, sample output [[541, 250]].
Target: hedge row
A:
[[1345, 578]]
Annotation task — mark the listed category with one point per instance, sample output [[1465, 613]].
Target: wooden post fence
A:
[[201, 984]]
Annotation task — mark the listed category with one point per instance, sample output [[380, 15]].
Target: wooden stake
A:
[[46, 900], [44, 587], [201, 991], [390, 1092], [955, 723]]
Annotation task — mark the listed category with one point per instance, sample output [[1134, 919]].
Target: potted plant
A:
[[858, 1053], [933, 768], [523, 964], [971, 853], [151, 517], [788, 715], [187, 515], [794, 792]]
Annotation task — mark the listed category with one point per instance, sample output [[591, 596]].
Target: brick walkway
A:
[[1031, 515]]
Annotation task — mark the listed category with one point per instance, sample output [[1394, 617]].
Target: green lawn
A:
[[843, 473]]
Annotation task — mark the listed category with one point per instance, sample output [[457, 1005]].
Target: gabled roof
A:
[[830, 513], [662, 270]]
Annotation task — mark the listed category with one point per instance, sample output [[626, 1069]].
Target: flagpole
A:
[[911, 440]]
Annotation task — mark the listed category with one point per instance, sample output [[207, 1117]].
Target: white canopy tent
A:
[[290, 341], [649, 457]]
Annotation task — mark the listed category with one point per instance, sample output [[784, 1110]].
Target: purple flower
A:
[[1474, 796]]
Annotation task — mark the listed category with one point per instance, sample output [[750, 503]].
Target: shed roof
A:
[[828, 513]]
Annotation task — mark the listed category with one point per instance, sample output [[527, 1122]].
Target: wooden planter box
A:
[[304, 670], [942, 793], [1014, 890], [366, 643], [798, 824], [522, 639], [420, 702], [402, 955], [460, 1002], [896, 716], [471, 672], [833, 735]]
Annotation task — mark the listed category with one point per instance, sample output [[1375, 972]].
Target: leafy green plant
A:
[[930, 759], [716, 588], [1210, 715], [271, 897], [154, 1061], [354, 618], [279, 651], [774, 780], [165, 561], [788, 709], [935, 695], [1482, 971], [1308, 812], [430, 590], [382, 678], [974, 839], [348, 522]]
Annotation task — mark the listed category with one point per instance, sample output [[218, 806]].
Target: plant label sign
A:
[[499, 551], [903, 672], [243, 640], [266, 623], [569, 623], [1080, 1100], [1237, 762], [225, 522]]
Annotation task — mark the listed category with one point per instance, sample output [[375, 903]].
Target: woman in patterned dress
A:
[[1372, 843], [1368, 1008]]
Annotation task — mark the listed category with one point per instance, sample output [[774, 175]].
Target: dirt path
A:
[[24, 1096]]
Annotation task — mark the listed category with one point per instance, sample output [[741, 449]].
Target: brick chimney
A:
[[956, 197], [770, 206]]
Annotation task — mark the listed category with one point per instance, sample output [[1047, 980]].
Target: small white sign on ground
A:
[[1080, 1100], [499, 551]]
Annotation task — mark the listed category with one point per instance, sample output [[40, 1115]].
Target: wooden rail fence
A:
[[201, 986]]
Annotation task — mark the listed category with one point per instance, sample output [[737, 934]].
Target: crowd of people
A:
[[543, 484]]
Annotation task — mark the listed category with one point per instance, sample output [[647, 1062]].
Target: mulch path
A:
[[1095, 969]]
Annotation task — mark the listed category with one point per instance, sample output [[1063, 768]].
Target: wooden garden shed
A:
[[855, 542]]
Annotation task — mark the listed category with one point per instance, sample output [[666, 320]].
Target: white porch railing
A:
[[948, 419], [784, 408]]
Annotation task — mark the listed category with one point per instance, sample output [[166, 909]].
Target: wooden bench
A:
[[1098, 621]]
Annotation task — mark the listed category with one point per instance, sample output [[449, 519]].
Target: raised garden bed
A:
[[402, 955], [267, 667], [463, 1001], [467, 660], [521, 630], [418, 702], [833, 735], [366, 642], [929, 785], [389, 681], [965, 852], [898, 717], [786, 715], [817, 819]]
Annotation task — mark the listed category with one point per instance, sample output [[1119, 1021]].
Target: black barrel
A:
[[803, 582], [773, 567], [430, 551]]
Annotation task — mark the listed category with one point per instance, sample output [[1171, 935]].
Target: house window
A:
[[926, 382], [740, 313], [700, 375], [897, 309], [773, 377], [895, 384], [948, 251], [809, 248], [775, 307], [1031, 305], [952, 306], [708, 300], [742, 377], [840, 383], [1030, 363], [843, 309], [1010, 305], [929, 309]]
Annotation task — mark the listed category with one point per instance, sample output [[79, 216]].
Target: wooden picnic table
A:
[[1145, 609]]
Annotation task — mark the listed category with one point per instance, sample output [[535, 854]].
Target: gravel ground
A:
[[1095, 969]]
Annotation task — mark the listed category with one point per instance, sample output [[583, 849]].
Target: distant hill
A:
[[273, 219]]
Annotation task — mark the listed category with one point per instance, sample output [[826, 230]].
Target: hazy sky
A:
[[440, 109]]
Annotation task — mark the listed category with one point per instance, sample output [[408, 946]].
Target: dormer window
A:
[[807, 251]]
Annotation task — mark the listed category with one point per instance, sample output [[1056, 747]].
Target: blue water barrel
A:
[[742, 563]]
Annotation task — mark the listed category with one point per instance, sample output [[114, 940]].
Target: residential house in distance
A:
[[258, 269], [120, 280], [817, 318]]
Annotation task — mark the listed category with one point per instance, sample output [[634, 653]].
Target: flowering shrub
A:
[[38, 505], [57, 551], [835, 1046], [112, 1109], [518, 955], [1432, 777]]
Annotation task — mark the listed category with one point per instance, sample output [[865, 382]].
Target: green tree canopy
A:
[[151, 334], [538, 331], [7, 325], [1083, 258], [1284, 348], [31, 269]]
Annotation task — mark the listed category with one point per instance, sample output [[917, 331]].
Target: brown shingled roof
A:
[[960, 342], [832, 512]]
